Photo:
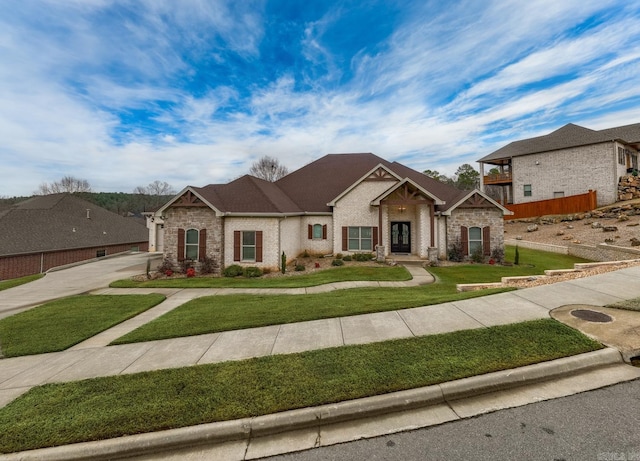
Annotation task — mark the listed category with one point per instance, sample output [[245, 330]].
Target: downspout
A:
[[432, 212]]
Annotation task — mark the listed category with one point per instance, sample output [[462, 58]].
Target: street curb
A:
[[315, 417]]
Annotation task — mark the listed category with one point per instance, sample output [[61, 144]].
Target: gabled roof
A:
[[317, 184], [565, 137], [47, 223], [475, 198], [248, 194], [313, 188]]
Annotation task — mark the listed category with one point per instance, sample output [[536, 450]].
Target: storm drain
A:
[[591, 316]]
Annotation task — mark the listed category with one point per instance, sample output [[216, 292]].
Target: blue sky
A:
[[122, 93]]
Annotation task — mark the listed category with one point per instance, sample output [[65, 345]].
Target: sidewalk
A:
[[91, 359]]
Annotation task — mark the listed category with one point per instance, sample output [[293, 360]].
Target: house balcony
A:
[[497, 179]]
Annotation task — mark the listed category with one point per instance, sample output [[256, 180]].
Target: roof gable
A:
[[474, 199], [570, 135], [377, 173]]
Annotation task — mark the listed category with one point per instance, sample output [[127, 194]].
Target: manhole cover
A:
[[591, 316]]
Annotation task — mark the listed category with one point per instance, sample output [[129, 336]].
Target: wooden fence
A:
[[564, 205]]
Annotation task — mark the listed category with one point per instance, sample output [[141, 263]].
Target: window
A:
[[191, 244], [527, 190], [360, 239], [475, 240], [101, 253], [558, 194], [621, 156], [248, 246], [317, 231]]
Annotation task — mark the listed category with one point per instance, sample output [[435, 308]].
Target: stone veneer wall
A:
[[193, 218], [603, 252], [476, 217], [571, 171]]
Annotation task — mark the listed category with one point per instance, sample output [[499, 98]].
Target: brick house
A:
[[54, 230], [569, 161], [340, 203]]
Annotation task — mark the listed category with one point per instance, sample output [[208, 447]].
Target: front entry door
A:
[[400, 237]]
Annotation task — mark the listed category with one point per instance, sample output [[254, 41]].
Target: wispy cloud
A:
[[125, 92]]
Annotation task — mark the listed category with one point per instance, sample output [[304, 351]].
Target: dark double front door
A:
[[400, 237]]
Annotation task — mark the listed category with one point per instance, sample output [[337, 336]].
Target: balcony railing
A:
[[498, 178]]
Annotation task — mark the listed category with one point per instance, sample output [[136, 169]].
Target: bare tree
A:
[[155, 188], [154, 194], [268, 168], [67, 184]]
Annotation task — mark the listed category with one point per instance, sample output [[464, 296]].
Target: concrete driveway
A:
[[73, 280]]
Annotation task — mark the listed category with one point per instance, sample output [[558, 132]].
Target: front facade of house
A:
[[342, 203], [569, 161]]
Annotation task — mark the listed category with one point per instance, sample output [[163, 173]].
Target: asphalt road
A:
[[600, 425]]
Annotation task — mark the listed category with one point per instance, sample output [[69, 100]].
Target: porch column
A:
[[481, 176]]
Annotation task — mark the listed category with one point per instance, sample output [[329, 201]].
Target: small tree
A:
[[516, 260], [283, 263], [268, 168], [467, 178], [68, 184]]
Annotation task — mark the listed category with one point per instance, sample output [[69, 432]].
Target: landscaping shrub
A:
[[477, 256], [497, 254], [185, 265], [339, 256], [305, 254], [191, 272], [283, 263], [362, 257], [252, 272], [300, 267], [165, 266], [516, 260], [208, 265], [454, 253], [347, 258], [233, 271], [337, 262]]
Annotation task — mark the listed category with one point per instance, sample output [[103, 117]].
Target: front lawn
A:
[[60, 324], [97, 409], [6, 284], [334, 274], [532, 262], [211, 314]]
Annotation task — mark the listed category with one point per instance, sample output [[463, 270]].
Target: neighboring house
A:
[[570, 161], [53, 230], [341, 203]]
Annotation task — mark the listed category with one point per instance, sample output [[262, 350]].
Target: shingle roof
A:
[[248, 194], [568, 136], [312, 187], [47, 223]]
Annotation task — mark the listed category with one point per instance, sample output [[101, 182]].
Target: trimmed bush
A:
[[233, 271], [347, 258], [337, 262], [300, 267], [252, 272], [339, 256], [362, 257]]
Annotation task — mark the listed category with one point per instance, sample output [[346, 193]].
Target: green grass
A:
[[337, 274], [6, 284], [532, 262], [60, 324], [211, 314], [629, 305], [221, 313], [57, 414]]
